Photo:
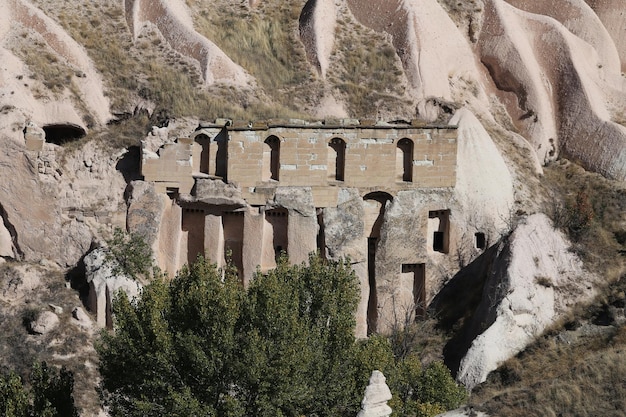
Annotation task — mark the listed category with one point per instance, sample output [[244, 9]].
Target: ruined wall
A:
[[171, 168], [380, 195], [324, 157]]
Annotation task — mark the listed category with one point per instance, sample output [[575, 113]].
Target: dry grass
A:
[[367, 71], [66, 345], [149, 70], [598, 242], [265, 42], [558, 377], [578, 368], [48, 75]]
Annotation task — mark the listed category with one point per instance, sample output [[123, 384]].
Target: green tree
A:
[[178, 339], [14, 397], [129, 254], [50, 393], [202, 345], [297, 338]]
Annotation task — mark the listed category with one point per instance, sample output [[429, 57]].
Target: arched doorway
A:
[[205, 155]]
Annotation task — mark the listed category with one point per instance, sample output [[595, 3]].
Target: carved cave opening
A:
[[193, 225], [336, 159], [271, 159], [439, 229], [60, 134], [321, 230], [108, 309], [232, 224], [221, 155], [480, 241], [205, 155], [404, 160], [419, 287], [275, 237]]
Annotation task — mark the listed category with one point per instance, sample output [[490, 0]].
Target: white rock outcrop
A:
[[377, 394], [535, 279], [484, 185]]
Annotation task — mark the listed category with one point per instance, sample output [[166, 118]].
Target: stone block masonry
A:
[[261, 156]]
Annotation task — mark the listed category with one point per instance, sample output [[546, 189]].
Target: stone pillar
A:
[[252, 237], [168, 243], [214, 239], [302, 236], [377, 394]]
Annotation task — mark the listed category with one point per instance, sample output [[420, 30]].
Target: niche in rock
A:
[[374, 205], [271, 159], [275, 240], [439, 230], [205, 155], [418, 275], [404, 160], [193, 227], [60, 134], [213, 158], [321, 233], [480, 240], [232, 223], [336, 159]]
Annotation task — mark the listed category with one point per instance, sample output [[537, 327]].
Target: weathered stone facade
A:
[[379, 194], [325, 157]]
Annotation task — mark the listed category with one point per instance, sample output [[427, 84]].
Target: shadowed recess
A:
[[60, 134]]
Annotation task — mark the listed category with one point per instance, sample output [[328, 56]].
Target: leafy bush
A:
[[129, 255]]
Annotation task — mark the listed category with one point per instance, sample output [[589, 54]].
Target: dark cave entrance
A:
[[60, 134]]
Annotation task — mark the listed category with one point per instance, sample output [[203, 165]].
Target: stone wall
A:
[[258, 158]]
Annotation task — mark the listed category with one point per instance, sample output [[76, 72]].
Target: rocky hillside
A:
[[537, 90]]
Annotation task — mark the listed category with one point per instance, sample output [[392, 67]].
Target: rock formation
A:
[[521, 83], [377, 394], [46, 322], [174, 23], [534, 280], [103, 285], [19, 96]]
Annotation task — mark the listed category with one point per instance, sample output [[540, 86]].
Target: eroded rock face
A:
[[555, 66], [534, 280], [217, 193], [103, 285], [317, 20], [174, 23], [53, 109]]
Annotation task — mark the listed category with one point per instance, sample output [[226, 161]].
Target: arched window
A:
[[271, 159], [205, 156], [404, 160], [336, 159]]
